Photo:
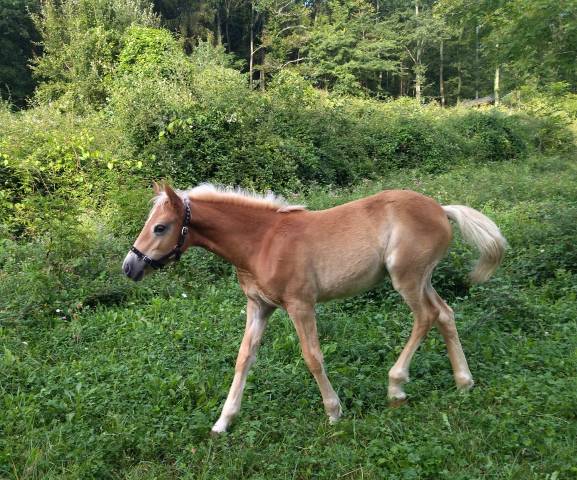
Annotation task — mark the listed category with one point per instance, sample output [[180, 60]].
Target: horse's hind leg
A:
[[446, 324], [411, 284]]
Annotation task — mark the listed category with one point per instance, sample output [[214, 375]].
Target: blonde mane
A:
[[237, 196]]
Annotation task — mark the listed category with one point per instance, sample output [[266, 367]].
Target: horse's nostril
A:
[[126, 268]]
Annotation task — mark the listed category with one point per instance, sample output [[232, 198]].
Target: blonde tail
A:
[[481, 232]]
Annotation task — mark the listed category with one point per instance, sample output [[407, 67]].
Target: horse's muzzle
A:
[[133, 267]]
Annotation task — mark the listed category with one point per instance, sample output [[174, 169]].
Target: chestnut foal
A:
[[286, 256]]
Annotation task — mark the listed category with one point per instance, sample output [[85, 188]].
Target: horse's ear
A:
[[156, 188], [172, 196]]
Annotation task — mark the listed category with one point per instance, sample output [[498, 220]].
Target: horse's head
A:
[[163, 237]]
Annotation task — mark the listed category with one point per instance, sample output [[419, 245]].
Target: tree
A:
[[348, 48], [17, 37], [418, 31], [81, 40], [538, 40]]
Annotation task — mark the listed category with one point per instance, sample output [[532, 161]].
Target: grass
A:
[[130, 391]]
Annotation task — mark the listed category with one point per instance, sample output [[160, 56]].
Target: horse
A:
[[289, 257]]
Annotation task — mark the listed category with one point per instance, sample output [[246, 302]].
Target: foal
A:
[[288, 257]]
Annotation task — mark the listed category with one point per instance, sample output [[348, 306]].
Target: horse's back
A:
[[375, 218]]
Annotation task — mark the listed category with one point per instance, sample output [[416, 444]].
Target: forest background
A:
[[447, 50]]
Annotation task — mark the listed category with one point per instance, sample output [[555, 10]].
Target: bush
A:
[[81, 41], [491, 135], [58, 274], [60, 168], [404, 134], [194, 119], [544, 241], [295, 135], [552, 111], [149, 51]]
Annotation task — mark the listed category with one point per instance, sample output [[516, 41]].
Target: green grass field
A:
[[130, 390]]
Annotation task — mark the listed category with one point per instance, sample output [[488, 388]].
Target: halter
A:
[[175, 253]]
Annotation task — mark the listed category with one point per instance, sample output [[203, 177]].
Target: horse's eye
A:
[[159, 228]]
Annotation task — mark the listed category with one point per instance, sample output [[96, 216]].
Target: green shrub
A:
[[58, 169], [490, 135], [59, 274], [404, 134], [81, 41], [544, 241], [149, 51], [552, 111], [197, 121], [203, 124]]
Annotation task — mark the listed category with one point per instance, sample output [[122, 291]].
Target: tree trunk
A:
[[418, 77], [441, 80], [262, 72], [419, 74], [459, 71], [226, 24], [496, 86], [459, 82], [251, 58], [477, 28], [218, 27]]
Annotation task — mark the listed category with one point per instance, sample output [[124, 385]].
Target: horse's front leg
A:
[[303, 317], [257, 315]]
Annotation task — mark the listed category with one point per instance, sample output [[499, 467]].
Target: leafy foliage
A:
[[203, 123], [148, 50], [55, 172], [442, 51], [81, 42]]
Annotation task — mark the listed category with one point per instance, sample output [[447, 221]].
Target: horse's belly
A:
[[349, 276]]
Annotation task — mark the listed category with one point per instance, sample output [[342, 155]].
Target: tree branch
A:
[[411, 55], [293, 61], [289, 27]]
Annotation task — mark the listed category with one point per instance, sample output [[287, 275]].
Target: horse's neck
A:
[[234, 232]]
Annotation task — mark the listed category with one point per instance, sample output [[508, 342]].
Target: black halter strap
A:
[[176, 252]]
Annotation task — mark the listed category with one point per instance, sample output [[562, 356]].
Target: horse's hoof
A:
[[334, 411], [218, 429], [398, 400], [465, 384], [333, 419], [217, 433]]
